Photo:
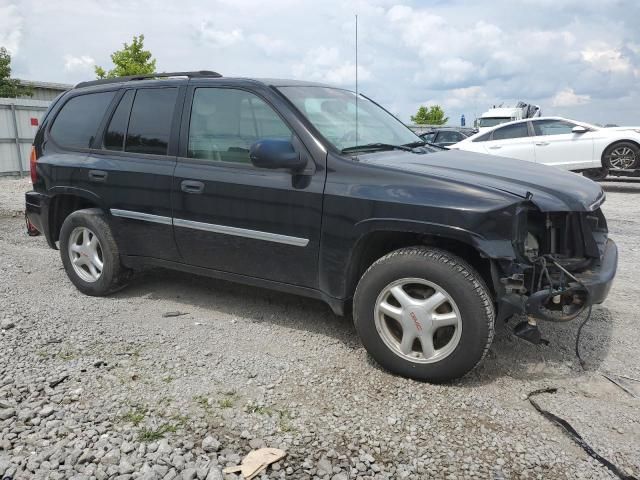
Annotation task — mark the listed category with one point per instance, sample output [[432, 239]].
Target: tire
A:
[[78, 230], [596, 174], [621, 155], [423, 272]]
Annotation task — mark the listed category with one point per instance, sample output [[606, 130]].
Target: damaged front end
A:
[[564, 263]]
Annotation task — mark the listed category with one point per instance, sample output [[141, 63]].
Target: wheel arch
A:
[[379, 241], [64, 201], [613, 143]]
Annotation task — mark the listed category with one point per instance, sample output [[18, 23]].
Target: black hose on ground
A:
[[574, 435]]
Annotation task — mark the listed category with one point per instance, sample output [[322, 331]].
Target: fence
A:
[[19, 120]]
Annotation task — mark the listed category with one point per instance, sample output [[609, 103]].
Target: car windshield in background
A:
[[333, 112], [492, 122]]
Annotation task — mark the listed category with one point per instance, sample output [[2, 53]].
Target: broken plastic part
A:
[[530, 332]]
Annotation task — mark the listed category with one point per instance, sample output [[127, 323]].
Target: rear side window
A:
[[117, 129], [517, 130], [77, 122], [150, 121], [447, 136]]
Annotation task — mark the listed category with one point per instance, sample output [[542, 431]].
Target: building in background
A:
[[19, 120]]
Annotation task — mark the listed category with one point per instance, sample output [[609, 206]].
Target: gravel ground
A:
[[111, 388]]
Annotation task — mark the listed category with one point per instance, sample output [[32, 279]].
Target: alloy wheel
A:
[[85, 253], [418, 320], [622, 157]]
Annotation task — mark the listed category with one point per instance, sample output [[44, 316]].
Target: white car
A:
[[562, 143]]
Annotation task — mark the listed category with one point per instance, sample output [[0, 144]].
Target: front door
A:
[[557, 145], [231, 216]]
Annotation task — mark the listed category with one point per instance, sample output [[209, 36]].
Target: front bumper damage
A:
[[597, 278], [564, 263]]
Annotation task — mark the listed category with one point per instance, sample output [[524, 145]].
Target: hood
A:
[[550, 188]]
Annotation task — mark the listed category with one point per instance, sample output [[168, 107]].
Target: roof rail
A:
[[104, 81]]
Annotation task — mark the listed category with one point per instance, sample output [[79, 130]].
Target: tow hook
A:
[[530, 332]]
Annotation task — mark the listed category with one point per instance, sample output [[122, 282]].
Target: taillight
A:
[[32, 165]]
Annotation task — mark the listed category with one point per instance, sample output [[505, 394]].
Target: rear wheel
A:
[[424, 313], [90, 254], [621, 155]]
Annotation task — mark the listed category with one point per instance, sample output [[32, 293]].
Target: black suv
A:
[[314, 190]]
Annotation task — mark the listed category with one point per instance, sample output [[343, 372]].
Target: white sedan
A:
[[562, 143]]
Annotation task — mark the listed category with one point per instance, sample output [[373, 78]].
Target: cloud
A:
[[325, 64], [81, 63], [218, 38], [461, 55], [269, 45], [11, 25], [606, 59], [568, 98]]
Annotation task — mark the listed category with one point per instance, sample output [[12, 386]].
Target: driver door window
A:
[[226, 122], [552, 127]]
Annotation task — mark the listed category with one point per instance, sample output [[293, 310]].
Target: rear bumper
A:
[[599, 278], [37, 211]]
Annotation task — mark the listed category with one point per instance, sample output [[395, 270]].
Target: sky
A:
[[575, 58]]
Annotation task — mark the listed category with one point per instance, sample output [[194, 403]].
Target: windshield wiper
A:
[[422, 143], [377, 146]]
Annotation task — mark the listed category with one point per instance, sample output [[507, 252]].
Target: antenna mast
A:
[[357, 93]]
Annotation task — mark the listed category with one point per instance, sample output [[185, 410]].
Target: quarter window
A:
[[552, 127], [78, 121], [226, 122], [516, 130], [482, 138], [150, 121]]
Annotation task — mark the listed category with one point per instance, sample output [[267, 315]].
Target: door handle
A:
[[191, 186], [495, 147], [97, 176], [542, 144]]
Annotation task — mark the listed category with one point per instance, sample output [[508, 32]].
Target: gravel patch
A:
[[97, 388], [12, 195]]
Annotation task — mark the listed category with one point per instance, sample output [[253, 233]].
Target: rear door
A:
[[231, 216], [511, 141], [131, 168], [556, 144]]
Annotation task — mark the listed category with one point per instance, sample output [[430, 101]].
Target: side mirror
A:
[[272, 153], [579, 129]]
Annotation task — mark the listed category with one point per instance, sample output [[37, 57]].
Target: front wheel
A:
[[424, 313], [90, 254]]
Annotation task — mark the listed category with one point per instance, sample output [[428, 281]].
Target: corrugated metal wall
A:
[[17, 132]]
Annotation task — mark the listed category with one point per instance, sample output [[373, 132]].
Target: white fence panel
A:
[[19, 120]]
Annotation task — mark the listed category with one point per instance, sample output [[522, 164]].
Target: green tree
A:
[[131, 60], [10, 87], [433, 115]]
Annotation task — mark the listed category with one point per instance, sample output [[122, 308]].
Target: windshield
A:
[[333, 112], [492, 121]]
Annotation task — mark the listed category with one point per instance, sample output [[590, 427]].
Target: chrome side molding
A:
[[210, 227]]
